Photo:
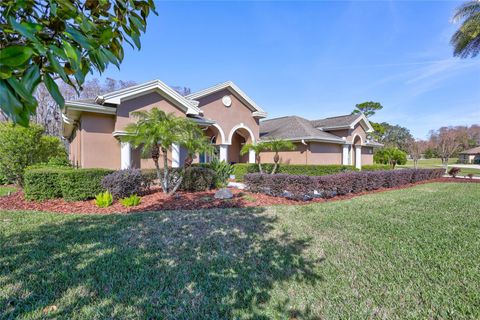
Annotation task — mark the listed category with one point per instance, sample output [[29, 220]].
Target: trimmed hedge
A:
[[196, 178], [305, 187], [125, 183], [82, 184], [41, 183], [376, 167], [241, 169]]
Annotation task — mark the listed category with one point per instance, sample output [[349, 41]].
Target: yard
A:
[[410, 253], [437, 163]]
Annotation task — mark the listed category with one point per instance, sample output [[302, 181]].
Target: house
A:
[[470, 156], [229, 117]]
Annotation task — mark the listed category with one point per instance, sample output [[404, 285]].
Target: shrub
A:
[[197, 179], [454, 171], [82, 184], [131, 201], [104, 199], [223, 170], [241, 169], [21, 147], [305, 187], [42, 182], [390, 156], [375, 167], [124, 183]]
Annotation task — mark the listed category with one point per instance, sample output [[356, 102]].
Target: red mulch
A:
[[157, 201]]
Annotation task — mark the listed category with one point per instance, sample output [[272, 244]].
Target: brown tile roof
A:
[[471, 151], [293, 128], [339, 121]]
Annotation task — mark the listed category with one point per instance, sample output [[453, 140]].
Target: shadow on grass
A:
[[173, 265]]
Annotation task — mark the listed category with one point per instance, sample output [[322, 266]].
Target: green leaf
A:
[[21, 91], [5, 72], [31, 77], [72, 54], [138, 23], [106, 36], [111, 57], [56, 66], [8, 102], [78, 37], [53, 89], [15, 55], [26, 29]]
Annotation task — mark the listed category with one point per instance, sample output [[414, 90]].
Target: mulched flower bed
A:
[[157, 201]]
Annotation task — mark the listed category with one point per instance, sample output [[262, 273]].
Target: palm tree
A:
[[466, 40], [257, 148], [277, 146], [156, 132]]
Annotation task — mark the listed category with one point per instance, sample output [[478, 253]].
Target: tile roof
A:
[[339, 121], [292, 128], [471, 151]]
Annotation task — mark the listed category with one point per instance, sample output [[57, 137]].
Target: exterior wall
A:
[[349, 134], [367, 155], [143, 103], [147, 163], [74, 154], [312, 153], [228, 117], [98, 147]]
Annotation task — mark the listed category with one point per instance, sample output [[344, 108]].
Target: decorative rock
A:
[[223, 194]]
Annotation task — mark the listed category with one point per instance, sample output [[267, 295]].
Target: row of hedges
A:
[[63, 182], [305, 187], [376, 167], [241, 169], [43, 183]]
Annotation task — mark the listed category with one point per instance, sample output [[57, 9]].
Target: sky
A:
[[316, 59]]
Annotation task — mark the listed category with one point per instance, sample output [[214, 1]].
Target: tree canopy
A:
[[466, 40], [368, 108], [45, 40]]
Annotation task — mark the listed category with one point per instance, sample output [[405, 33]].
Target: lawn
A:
[[4, 190], [410, 253], [436, 163]]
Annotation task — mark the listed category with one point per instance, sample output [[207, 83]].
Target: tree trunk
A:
[[165, 170], [258, 161], [177, 185], [155, 156], [276, 158], [445, 163]]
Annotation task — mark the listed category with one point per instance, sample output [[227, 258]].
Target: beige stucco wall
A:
[[367, 155], [313, 153], [143, 103], [98, 147], [325, 153], [228, 117], [349, 134]]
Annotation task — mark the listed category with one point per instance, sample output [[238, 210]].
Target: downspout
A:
[[306, 151]]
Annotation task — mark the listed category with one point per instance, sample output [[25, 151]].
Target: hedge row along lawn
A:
[[4, 190], [410, 253]]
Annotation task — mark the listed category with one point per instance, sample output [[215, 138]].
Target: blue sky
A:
[[316, 59]]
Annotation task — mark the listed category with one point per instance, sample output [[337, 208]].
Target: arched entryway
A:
[[239, 136], [357, 151]]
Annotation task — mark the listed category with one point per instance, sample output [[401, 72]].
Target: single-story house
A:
[[470, 156], [229, 117]]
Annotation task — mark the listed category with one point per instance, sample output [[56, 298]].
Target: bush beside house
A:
[[241, 169], [306, 187]]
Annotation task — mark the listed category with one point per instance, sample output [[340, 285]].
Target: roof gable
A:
[[343, 122], [116, 97], [235, 90]]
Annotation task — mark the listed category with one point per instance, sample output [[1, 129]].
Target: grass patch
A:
[[410, 253], [437, 163], [6, 190]]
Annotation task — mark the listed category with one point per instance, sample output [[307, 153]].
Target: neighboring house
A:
[[229, 117], [470, 156]]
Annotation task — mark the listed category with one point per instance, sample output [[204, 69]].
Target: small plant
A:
[[223, 171], [453, 172], [470, 175], [131, 201], [103, 199]]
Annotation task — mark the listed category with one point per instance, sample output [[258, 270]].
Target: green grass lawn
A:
[[4, 190], [436, 163], [409, 254]]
